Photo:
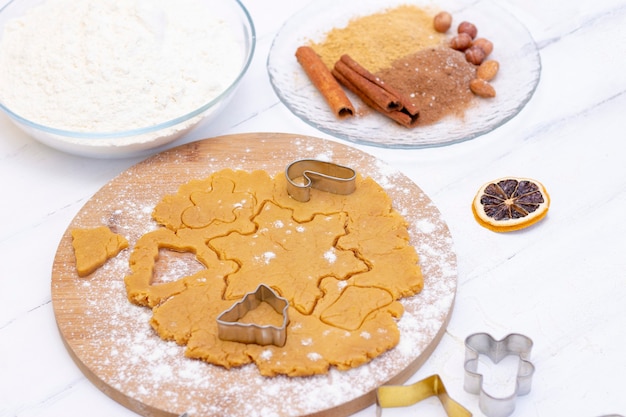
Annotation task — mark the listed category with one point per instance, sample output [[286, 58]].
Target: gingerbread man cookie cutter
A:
[[230, 329], [388, 396], [484, 344], [322, 175]]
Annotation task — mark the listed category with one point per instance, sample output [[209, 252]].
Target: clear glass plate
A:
[[514, 48]]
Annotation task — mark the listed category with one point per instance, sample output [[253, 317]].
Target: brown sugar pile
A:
[[343, 262], [436, 80], [376, 40]]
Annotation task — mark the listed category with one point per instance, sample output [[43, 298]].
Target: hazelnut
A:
[[485, 44], [461, 42], [475, 55], [469, 28], [442, 22]]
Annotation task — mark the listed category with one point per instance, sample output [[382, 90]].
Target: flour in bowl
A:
[[113, 65]]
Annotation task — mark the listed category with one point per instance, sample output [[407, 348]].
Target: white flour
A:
[[111, 65]]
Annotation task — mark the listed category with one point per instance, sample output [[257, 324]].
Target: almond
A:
[[488, 70], [482, 88]]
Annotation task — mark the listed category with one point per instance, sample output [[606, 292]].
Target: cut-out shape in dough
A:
[[94, 246], [288, 255], [354, 305], [219, 204]]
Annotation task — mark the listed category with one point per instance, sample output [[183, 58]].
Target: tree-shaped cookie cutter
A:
[[321, 175], [388, 396], [496, 350], [230, 329]]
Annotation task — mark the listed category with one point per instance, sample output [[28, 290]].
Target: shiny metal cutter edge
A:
[[321, 175], [390, 396], [230, 329], [496, 350]]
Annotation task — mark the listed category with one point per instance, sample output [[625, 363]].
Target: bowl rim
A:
[[250, 41]]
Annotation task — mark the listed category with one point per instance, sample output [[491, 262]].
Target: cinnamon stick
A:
[[323, 80], [401, 99], [377, 94], [374, 92], [398, 116]]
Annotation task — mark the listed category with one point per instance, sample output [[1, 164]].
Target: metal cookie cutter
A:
[[496, 350], [325, 176], [230, 329], [405, 395]]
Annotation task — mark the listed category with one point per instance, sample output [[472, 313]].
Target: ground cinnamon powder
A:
[[376, 40], [436, 80]]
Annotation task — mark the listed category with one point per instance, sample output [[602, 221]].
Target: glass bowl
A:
[[52, 101], [515, 49]]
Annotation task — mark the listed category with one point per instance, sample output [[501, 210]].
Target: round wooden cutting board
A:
[[113, 344]]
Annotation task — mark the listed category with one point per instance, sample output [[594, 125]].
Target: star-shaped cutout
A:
[[279, 244]]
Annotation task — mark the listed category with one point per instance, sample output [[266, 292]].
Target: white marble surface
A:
[[563, 283]]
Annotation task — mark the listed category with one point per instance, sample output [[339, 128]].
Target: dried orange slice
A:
[[508, 204]]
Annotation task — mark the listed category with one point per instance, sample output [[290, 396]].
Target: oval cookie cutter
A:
[[230, 329], [321, 175]]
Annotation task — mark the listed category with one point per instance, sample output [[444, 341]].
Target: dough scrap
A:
[[342, 261], [94, 246]]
